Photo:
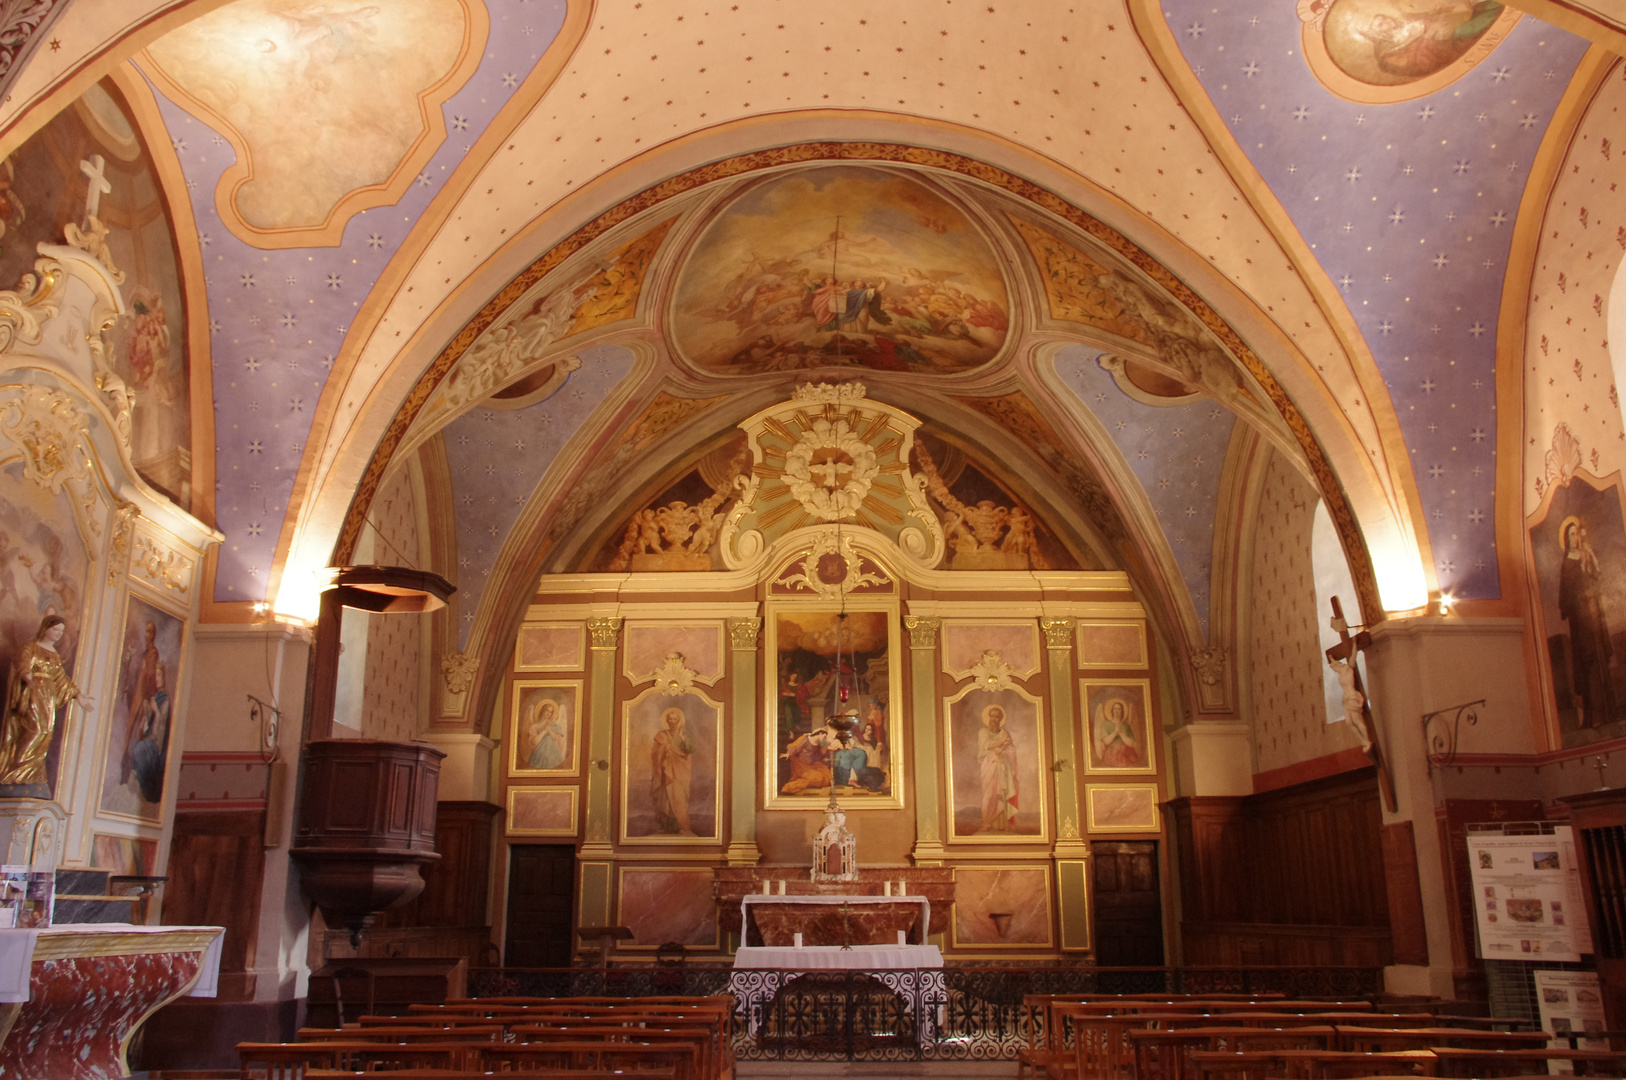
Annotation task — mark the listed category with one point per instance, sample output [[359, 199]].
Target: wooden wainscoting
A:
[[1291, 876]]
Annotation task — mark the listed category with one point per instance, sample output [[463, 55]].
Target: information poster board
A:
[[1527, 896], [1569, 1001]]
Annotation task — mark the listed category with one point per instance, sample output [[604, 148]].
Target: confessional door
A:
[[1128, 904], [541, 886]]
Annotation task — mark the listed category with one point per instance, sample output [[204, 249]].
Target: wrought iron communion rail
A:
[[952, 1013]]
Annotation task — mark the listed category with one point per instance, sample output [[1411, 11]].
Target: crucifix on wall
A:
[[1341, 657]]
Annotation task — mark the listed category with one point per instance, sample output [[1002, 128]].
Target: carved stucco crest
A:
[[830, 469], [161, 565], [991, 672], [673, 675], [458, 670], [832, 567], [49, 430], [1210, 667]]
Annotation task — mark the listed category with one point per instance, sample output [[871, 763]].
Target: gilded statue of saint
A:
[[38, 687]]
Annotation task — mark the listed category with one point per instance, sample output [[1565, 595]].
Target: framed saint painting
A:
[[544, 727], [671, 762], [994, 743], [137, 756], [1117, 734], [834, 723]]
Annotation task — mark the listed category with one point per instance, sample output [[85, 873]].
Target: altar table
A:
[[73, 995], [913, 972]]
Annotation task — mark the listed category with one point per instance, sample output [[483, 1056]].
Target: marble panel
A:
[[664, 905], [1002, 907], [551, 647], [647, 645], [1111, 645], [1016, 643]]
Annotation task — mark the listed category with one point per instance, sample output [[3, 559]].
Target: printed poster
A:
[[1569, 1001], [1527, 895]]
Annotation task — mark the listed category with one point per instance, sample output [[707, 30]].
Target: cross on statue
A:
[[1357, 710], [93, 168]]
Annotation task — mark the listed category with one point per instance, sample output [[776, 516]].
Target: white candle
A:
[[798, 938], [781, 886], [901, 939], [888, 888]]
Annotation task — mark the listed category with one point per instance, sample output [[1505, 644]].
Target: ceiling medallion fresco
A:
[[842, 265], [331, 108], [1381, 51]]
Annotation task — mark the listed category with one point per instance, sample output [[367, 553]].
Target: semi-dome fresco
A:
[[841, 265]]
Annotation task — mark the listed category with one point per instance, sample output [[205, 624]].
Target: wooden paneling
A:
[[1289, 876], [216, 865], [1128, 903], [1405, 889], [1599, 820], [455, 888]]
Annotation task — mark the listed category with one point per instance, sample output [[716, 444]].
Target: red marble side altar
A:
[[89, 989]]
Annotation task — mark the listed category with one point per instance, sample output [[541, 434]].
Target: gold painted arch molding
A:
[[328, 117]]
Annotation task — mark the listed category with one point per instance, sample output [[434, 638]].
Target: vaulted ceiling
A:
[[1341, 213]]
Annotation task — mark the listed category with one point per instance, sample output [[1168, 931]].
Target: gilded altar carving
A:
[[50, 430], [744, 634], [991, 671]]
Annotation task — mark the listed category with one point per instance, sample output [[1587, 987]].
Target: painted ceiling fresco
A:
[[1409, 208], [1176, 452], [278, 317], [497, 456], [317, 103], [841, 265]]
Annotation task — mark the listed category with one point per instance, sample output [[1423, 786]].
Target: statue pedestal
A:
[[31, 832]]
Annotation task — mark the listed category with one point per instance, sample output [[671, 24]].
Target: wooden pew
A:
[[289, 1061], [1458, 1061], [1307, 1064], [1163, 1053], [1361, 1037], [681, 1058], [697, 1035]]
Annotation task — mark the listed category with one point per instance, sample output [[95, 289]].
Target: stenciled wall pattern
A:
[[394, 642], [1289, 714]]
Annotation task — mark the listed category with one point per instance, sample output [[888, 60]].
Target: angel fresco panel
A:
[[546, 728], [841, 265], [1579, 551], [669, 768], [137, 758], [1116, 724]]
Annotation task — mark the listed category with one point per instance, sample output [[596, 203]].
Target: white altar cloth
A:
[[17, 954], [772, 898], [859, 957], [913, 972]]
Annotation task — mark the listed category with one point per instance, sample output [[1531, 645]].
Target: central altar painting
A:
[[829, 664]]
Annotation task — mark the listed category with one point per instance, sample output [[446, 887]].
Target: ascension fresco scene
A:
[[841, 266]]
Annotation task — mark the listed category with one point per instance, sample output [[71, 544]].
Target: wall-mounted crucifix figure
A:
[[1357, 710]]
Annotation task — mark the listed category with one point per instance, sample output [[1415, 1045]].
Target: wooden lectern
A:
[[606, 936]]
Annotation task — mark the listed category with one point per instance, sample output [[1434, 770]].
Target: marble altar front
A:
[[732, 884], [72, 996]]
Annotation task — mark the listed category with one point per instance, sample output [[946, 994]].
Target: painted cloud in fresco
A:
[[905, 283], [320, 99]]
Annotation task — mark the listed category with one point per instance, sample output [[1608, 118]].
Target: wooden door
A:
[[1128, 904], [541, 886]]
